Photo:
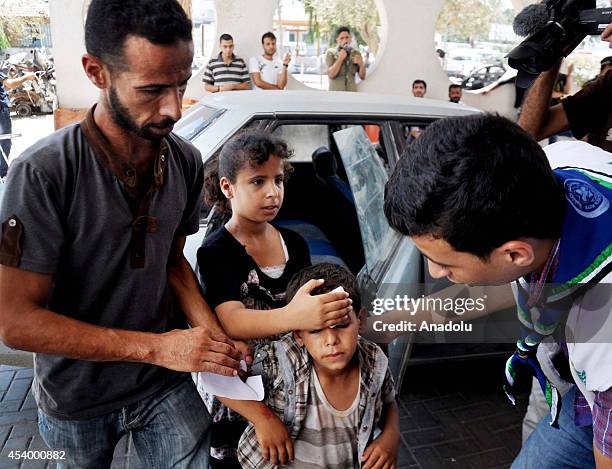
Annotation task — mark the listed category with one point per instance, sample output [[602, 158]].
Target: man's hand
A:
[[226, 87], [607, 35], [245, 350], [382, 452], [198, 349], [358, 59], [287, 59], [342, 54], [306, 312], [274, 441]]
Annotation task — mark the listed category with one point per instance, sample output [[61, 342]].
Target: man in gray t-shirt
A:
[[92, 275]]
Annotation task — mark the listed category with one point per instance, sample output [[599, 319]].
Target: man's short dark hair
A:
[[475, 182], [269, 35], [334, 275], [225, 37], [419, 82], [452, 86], [342, 29], [110, 22]]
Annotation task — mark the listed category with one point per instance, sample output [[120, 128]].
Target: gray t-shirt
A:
[[71, 209]]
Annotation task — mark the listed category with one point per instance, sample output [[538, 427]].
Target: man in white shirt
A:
[[267, 71]]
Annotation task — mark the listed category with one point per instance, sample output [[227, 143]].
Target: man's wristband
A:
[[286, 65]]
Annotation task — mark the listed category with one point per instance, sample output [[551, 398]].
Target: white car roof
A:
[[333, 102], [241, 106]]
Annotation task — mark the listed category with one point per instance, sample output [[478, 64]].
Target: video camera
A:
[[554, 29]]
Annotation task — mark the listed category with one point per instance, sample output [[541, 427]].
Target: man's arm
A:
[[601, 461], [358, 60], [211, 88], [10, 83], [537, 118], [334, 69], [26, 324], [245, 85], [282, 77], [264, 85]]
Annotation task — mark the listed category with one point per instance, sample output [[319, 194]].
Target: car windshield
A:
[[193, 124]]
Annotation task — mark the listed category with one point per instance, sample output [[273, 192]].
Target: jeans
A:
[[554, 448], [5, 128], [169, 429]]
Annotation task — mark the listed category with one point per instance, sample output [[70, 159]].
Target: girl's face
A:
[[257, 194]]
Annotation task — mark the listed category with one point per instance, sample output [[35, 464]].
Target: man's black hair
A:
[[110, 22], [421, 82], [475, 182], [225, 37], [342, 29], [269, 34], [334, 275], [451, 86]]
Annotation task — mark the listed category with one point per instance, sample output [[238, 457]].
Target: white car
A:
[[345, 145]]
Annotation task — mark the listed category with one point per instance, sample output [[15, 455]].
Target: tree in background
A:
[[362, 17], [4, 42], [465, 20]]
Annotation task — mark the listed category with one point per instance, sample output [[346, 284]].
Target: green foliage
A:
[[362, 17], [4, 42], [465, 20]]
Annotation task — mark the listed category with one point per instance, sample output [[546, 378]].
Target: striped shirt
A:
[[219, 73], [329, 436]]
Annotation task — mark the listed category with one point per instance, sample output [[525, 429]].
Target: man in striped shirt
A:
[[226, 72]]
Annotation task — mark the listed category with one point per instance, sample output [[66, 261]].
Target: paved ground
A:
[[453, 415]]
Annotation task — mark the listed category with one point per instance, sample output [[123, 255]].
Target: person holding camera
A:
[[587, 113], [344, 62]]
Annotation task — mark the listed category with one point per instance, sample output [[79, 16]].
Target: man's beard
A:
[[455, 99], [121, 116]]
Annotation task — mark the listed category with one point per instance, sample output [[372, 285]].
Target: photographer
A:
[[343, 62], [588, 112]]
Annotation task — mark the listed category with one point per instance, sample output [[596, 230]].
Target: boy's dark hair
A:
[[249, 147], [269, 34], [419, 82], [451, 86], [475, 182], [225, 37], [342, 29], [334, 275], [110, 22]]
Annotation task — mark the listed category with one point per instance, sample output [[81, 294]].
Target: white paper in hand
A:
[[233, 387]]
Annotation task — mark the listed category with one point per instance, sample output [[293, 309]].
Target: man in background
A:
[[267, 71], [226, 72], [344, 62]]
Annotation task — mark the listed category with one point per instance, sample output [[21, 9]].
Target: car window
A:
[[193, 124], [367, 177], [304, 139]]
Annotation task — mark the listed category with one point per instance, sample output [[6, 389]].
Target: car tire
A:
[[23, 110]]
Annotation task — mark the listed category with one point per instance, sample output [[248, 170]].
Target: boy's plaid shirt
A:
[[286, 370]]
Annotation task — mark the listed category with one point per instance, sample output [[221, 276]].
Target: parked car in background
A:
[[483, 76], [345, 146]]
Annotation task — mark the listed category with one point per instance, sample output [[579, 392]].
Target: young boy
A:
[[330, 397]]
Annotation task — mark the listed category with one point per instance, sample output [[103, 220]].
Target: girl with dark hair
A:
[[246, 264]]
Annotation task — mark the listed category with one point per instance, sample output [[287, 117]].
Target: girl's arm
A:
[[304, 312]]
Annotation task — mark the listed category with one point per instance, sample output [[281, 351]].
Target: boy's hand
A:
[[382, 452], [311, 313], [274, 441]]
